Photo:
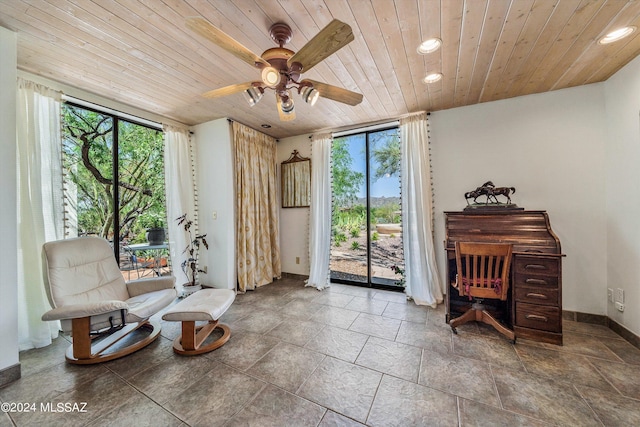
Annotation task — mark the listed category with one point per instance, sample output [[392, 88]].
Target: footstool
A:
[[205, 305]]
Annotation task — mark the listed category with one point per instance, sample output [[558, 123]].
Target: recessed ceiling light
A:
[[429, 45], [265, 126], [432, 78], [616, 35]]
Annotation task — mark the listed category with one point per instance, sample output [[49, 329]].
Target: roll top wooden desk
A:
[[534, 306]]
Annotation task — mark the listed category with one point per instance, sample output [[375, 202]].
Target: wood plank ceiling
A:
[[140, 53]]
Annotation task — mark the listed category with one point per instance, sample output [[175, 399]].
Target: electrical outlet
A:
[[620, 296], [204, 269], [620, 306], [610, 294], [214, 215], [297, 260]]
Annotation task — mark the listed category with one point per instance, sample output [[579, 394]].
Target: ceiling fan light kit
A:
[[281, 68], [253, 95]]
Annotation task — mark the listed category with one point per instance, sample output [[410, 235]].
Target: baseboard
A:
[[10, 374], [599, 319], [294, 276]]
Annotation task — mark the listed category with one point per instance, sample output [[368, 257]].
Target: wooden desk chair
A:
[[482, 272]]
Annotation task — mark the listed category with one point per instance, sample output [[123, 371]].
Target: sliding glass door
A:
[[366, 230], [114, 186]]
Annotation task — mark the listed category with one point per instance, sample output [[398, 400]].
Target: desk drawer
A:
[[538, 317], [544, 296], [534, 280], [536, 265]]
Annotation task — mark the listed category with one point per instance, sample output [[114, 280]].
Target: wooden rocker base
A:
[[478, 313], [190, 342], [83, 352]]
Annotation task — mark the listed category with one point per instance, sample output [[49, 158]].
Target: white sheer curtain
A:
[[320, 211], [181, 194], [421, 272], [40, 206]]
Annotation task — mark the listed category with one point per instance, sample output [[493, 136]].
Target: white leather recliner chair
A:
[[107, 317]]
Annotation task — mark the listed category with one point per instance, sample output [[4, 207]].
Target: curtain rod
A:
[[111, 111]]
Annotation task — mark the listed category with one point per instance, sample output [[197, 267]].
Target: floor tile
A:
[[258, 322], [333, 299], [215, 398], [625, 378], [171, 377], [342, 387], [274, 407], [331, 419], [390, 296], [467, 378], [475, 414], [425, 336], [410, 312], [612, 409], [286, 366], [243, 349], [36, 359], [569, 326], [299, 309], [154, 353], [389, 357], [544, 399], [143, 410], [402, 403], [376, 326], [625, 351], [585, 345], [334, 316], [339, 343], [497, 351], [569, 367], [298, 333], [367, 305]]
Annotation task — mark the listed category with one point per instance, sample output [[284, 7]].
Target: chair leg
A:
[[490, 320], [469, 316]]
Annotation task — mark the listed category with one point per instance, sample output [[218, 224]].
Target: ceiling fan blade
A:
[[227, 90], [284, 117], [329, 40], [207, 30], [336, 93]]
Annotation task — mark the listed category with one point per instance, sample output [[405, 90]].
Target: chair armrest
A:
[[151, 284], [75, 311]]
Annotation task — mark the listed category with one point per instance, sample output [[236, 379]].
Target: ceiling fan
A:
[[281, 67]]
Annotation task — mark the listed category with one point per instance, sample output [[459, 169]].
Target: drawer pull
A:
[[536, 281], [535, 295], [535, 267], [536, 317]]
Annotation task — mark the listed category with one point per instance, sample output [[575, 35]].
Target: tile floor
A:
[[342, 357]]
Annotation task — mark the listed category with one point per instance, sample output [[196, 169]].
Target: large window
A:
[[366, 230], [114, 185]]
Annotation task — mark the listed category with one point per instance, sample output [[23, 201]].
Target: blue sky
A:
[[383, 187]]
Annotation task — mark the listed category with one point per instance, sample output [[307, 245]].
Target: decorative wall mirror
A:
[[296, 181]]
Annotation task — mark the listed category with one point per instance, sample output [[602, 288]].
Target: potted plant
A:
[[190, 264], [154, 223]]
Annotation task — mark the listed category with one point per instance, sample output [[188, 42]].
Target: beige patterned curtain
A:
[[256, 208]]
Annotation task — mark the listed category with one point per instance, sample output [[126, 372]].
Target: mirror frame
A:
[[298, 186]]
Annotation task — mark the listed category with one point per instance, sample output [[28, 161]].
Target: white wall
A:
[[622, 98], [551, 148], [294, 222], [214, 162], [8, 213]]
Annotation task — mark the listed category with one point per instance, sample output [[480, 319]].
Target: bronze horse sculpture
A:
[[489, 190]]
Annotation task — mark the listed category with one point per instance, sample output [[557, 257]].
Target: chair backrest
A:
[[81, 270], [483, 269]]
